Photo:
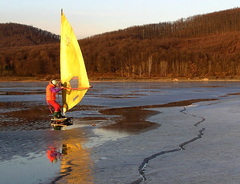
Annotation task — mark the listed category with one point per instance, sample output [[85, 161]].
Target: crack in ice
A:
[[144, 164]]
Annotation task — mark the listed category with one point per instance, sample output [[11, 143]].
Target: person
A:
[[51, 90]]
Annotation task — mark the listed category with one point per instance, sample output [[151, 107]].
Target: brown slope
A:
[[15, 35]]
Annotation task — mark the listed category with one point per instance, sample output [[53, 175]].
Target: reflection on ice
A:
[[75, 163], [53, 154], [27, 170], [104, 135]]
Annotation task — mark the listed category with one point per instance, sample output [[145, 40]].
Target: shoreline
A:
[[37, 79]]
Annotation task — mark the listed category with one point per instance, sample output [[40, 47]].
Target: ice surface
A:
[[93, 153]]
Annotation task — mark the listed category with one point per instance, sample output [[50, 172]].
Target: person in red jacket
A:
[[51, 90]]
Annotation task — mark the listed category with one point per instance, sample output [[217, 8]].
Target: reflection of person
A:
[[51, 90], [53, 155]]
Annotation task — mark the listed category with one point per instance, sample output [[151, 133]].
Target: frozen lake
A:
[[123, 132]]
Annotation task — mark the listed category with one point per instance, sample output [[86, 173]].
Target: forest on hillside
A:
[[200, 46], [16, 35]]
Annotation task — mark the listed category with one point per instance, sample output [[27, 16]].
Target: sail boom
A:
[[82, 88]]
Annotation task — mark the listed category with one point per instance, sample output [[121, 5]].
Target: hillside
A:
[[199, 46], [12, 34], [196, 47]]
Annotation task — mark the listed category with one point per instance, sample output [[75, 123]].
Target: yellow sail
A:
[[73, 72]]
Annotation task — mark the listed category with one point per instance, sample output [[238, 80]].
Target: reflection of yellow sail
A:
[[76, 164], [73, 72], [75, 161]]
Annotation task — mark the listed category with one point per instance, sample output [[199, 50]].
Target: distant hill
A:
[[12, 34], [201, 46]]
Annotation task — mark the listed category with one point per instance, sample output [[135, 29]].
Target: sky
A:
[[91, 17]]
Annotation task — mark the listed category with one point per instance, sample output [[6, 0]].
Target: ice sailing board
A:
[[61, 122]]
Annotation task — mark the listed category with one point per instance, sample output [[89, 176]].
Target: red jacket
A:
[[49, 94]]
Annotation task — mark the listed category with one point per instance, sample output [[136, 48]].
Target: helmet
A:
[[54, 82]]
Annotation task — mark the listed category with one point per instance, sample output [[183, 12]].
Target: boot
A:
[[59, 115], [55, 115]]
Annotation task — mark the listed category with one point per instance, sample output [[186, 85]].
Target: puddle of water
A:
[[45, 157], [32, 169]]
